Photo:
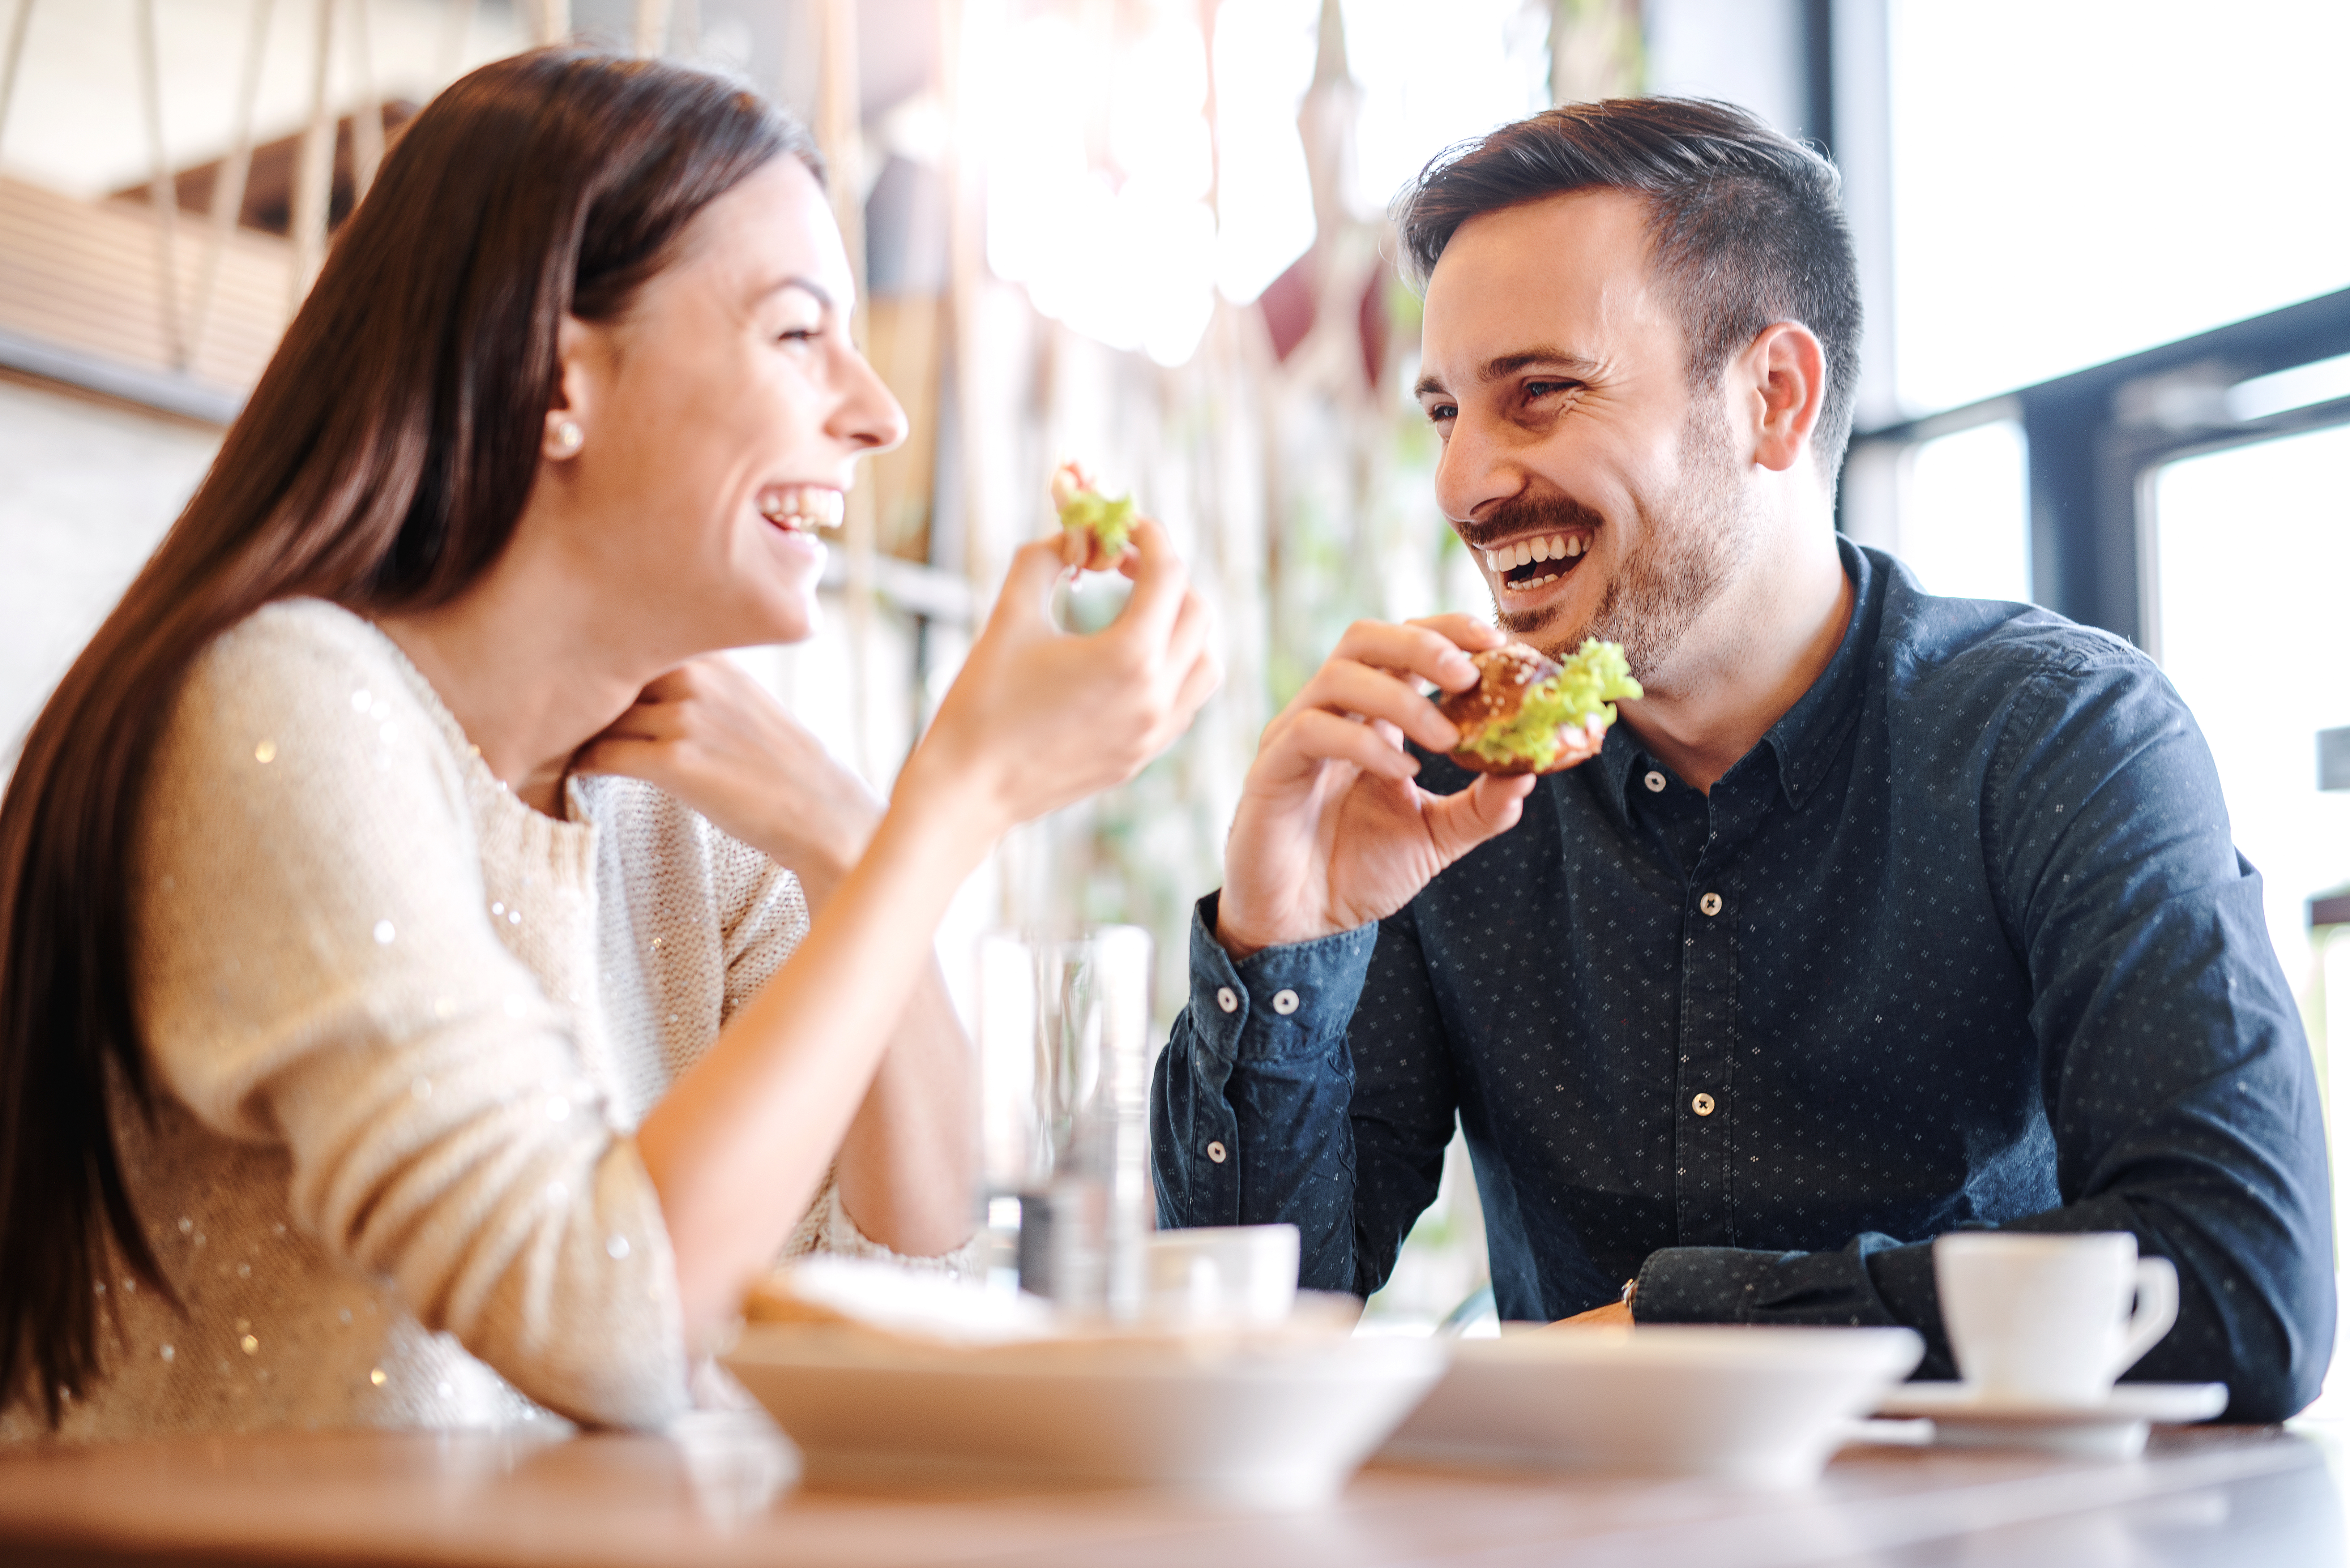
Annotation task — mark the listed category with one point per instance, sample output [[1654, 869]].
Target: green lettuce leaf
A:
[[1109, 522], [1592, 680]]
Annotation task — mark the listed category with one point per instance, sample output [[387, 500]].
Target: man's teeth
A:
[[1558, 547], [803, 507]]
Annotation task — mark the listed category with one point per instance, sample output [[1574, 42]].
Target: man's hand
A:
[[709, 735], [1615, 1314], [1331, 831]]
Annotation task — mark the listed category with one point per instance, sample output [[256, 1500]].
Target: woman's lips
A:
[[803, 508]]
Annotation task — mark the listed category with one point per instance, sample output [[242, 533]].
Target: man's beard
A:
[[1694, 540]]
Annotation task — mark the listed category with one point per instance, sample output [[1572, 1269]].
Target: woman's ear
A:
[[569, 413], [1787, 379]]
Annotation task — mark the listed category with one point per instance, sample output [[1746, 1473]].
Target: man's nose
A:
[[1474, 470]]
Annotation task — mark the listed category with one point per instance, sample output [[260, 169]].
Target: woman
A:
[[394, 1017]]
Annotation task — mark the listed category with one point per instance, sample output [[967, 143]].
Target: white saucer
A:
[[2113, 1428]]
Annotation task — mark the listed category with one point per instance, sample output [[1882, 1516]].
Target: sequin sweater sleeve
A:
[[315, 968]]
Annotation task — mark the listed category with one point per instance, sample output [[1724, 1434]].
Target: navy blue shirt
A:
[[1963, 940]]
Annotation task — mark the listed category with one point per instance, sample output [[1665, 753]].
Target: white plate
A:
[[1759, 1406], [1258, 1421], [2114, 1427]]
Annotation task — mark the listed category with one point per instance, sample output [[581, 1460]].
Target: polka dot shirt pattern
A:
[[1963, 942]]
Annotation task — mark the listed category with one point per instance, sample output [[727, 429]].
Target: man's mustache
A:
[[1521, 514]]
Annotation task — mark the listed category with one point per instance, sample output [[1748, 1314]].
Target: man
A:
[[1880, 916]]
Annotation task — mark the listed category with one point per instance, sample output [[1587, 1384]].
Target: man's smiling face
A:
[[1600, 496]]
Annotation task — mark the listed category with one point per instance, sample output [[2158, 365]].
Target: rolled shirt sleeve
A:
[[1251, 1098]]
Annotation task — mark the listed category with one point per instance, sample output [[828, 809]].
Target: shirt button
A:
[[1711, 903], [1226, 1000], [1216, 1152], [1655, 781], [1702, 1105], [1284, 1002]]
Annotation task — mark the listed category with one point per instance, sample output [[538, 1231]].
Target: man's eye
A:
[[1440, 413], [1546, 389]]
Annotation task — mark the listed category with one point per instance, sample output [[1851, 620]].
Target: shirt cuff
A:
[[1734, 1284], [1280, 1002]]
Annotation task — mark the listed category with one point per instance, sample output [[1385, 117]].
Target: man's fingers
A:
[[1492, 805], [1342, 686], [1424, 651], [1316, 735], [1476, 635]]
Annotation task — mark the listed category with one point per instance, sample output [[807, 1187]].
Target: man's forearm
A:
[[1250, 1104]]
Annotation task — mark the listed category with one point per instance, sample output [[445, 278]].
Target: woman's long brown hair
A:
[[381, 464]]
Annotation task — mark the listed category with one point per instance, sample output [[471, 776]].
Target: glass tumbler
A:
[[1064, 1087]]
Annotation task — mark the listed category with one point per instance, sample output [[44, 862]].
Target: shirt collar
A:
[[1808, 736]]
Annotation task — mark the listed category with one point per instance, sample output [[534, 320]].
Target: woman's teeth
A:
[[1525, 552], [803, 506]]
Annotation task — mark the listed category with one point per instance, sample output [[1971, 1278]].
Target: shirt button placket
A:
[[1708, 997]]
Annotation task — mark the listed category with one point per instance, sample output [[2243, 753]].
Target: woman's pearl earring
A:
[[569, 436]]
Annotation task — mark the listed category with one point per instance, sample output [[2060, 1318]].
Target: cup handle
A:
[[2157, 1309]]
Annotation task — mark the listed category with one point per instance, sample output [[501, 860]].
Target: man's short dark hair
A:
[[1745, 227]]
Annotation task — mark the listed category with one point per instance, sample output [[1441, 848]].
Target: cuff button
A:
[[1216, 1152], [1226, 1000], [1284, 1002]]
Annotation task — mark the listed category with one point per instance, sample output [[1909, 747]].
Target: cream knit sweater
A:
[[401, 1028]]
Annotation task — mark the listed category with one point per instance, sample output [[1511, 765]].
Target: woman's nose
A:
[[868, 417]]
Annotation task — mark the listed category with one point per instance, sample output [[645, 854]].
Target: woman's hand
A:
[[711, 735], [1038, 719]]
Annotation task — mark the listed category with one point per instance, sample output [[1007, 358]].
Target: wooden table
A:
[[721, 1492]]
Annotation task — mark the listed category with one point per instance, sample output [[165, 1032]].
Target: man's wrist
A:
[[1237, 950]]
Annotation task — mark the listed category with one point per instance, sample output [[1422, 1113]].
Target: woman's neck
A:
[[527, 661]]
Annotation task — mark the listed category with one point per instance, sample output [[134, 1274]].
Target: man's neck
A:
[[1749, 659]]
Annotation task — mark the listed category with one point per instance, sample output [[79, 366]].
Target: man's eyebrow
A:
[[1503, 365]]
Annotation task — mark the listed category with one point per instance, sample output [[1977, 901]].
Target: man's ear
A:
[[1785, 384]]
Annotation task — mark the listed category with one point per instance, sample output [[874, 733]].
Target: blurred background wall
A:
[[2102, 243]]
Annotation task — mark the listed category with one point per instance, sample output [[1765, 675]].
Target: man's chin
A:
[[1553, 626]]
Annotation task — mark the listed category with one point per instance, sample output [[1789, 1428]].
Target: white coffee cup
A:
[[1222, 1273], [2048, 1317]]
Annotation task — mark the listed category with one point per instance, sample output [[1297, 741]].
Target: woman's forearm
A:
[[906, 1165], [738, 1146]]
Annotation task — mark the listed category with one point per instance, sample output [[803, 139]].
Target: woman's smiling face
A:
[[721, 419]]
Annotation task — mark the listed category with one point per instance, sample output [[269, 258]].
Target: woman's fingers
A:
[[1160, 584], [1025, 600]]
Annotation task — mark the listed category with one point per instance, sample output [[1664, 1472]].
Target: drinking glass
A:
[[1064, 1086]]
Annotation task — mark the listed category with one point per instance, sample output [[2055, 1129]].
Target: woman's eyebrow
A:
[[805, 284]]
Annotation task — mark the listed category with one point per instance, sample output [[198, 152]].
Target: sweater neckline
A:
[[573, 832]]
